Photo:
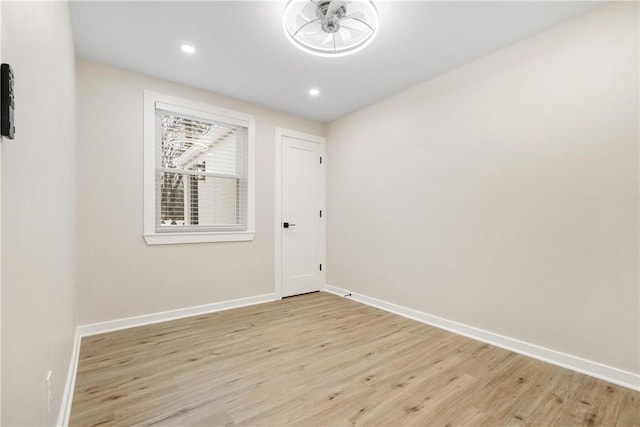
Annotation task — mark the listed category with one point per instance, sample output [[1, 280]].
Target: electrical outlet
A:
[[49, 392]]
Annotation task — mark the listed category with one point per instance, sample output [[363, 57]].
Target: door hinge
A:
[[320, 159], [320, 267], [320, 214]]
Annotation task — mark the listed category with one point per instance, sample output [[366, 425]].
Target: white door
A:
[[302, 234]]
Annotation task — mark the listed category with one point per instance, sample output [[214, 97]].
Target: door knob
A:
[[287, 225]]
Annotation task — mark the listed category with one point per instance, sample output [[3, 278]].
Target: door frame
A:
[[280, 132]]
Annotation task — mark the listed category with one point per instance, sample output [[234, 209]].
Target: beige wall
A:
[[504, 194], [38, 211], [118, 275]]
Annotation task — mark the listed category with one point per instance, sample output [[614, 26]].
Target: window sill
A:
[[180, 238]]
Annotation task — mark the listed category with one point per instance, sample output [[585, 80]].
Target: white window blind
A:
[[201, 172]]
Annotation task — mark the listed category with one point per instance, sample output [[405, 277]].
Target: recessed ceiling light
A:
[[314, 92], [187, 48]]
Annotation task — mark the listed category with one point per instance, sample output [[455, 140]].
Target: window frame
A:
[[205, 111]]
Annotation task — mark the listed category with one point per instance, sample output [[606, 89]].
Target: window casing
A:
[[199, 172]]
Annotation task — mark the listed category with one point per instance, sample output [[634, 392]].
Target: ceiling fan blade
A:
[[312, 30], [328, 41], [338, 40], [309, 11], [355, 15], [347, 35], [301, 21], [359, 18], [333, 8], [316, 38], [351, 30], [304, 26]]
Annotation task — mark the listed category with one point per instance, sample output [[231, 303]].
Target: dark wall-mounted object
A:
[[7, 101]]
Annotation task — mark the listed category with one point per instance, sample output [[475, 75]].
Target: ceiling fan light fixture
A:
[[330, 28]]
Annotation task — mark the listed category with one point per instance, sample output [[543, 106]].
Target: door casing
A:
[[281, 132]]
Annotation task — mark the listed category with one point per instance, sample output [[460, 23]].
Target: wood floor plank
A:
[[319, 359]]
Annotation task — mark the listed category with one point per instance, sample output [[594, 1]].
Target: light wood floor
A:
[[319, 359]]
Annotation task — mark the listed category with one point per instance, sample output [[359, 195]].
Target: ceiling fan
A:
[[330, 27]]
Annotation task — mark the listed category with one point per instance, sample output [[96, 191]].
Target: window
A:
[[198, 169]]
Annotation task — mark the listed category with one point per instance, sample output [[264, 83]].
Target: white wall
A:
[[1, 140], [118, 275], [38, 211], [504, 194]]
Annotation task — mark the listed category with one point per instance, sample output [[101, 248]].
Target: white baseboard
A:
[[67, 396], [578, 364], [132, 322], [163, 316]]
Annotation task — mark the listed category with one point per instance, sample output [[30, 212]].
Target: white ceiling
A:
[[242, 51]]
